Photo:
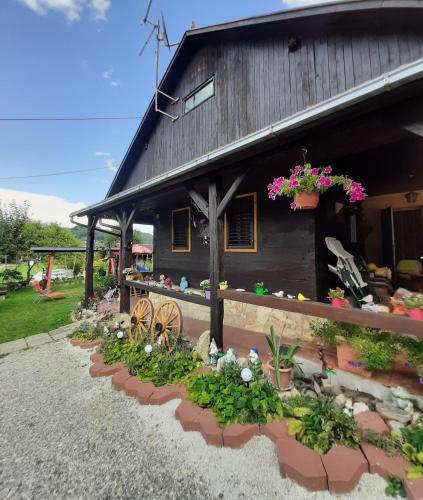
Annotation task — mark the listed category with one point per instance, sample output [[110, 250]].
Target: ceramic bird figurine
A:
[[302, 298]]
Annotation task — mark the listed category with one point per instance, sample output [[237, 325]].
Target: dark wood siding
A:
[[258, 82], [285, 252]]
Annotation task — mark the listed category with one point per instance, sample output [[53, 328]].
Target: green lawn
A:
[[20, 317]]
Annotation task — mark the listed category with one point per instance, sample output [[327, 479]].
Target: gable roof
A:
[[287, 21]]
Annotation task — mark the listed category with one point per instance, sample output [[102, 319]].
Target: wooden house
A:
[[344, 81]]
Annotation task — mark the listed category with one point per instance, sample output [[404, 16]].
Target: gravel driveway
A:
[[66, 435]]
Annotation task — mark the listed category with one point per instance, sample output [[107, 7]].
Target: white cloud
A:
[[303, 3], [115, 83], [107, 74], [72, 9], [102, 153], [99, 8], [43, 207], [111, 165]]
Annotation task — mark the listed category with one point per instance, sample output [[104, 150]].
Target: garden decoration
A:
[[167, 320], [223, 285], [183, 285], [306, 183], [259, 288], [229, 357], [142, 317], [168, 283], [206, 287], [337, 298], [414, 306], [253, 356], [302, 298], [213, 352]]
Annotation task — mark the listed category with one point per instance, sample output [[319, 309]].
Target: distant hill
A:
[[139, 236]]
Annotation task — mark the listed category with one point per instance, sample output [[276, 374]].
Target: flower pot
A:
[[207, 294], [338, 303], [347, 356], [285, 375], [307, 201], [260, 291], [415, 313]]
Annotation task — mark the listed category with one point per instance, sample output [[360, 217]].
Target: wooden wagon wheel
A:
[[141, 318], [167, 320]]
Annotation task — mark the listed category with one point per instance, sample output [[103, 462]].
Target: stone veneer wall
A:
[[248, 317]]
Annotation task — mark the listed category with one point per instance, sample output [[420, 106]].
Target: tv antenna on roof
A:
[[159, 29]]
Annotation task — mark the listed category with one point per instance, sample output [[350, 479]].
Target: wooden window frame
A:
[[183, 250], [195, 91], [255, 231]]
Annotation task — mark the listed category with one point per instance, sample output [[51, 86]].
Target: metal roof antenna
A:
[[159, 29]]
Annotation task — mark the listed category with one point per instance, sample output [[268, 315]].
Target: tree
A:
[[12, 220]]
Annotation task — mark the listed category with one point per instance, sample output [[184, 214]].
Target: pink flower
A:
[[324, 181], [293, 183], [297, 170], [328, 170], [293, 205], [292, 177], [314, 171]]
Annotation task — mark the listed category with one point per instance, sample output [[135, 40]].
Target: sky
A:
[[79, 58]]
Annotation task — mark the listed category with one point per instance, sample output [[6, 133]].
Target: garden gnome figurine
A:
[[229, 357], [213, 352], [254, 357], [184, 284], [162, 280]]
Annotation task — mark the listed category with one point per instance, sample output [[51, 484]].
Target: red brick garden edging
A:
[[339, 471]]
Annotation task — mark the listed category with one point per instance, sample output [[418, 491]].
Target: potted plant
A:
[[414, 306], [307, 183], [205, 286], [223, 285], [168, 283], [337, 298], [281, 365], [259, 287]]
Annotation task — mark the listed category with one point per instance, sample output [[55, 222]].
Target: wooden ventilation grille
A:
[[181, 238], [240, 224]]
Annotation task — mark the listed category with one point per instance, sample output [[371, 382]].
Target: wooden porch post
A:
[[215, 263], [125, 221], [89, 259]]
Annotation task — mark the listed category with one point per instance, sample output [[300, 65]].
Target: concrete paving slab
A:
[[13, 346], [40, 339]]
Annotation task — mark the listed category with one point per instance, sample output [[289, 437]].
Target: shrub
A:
[[232, 401], [320, 423], [87, 332]]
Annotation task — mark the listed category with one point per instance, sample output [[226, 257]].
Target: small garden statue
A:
[[213, 352], [184, 284], [162, 281], [254, 357], [229, 357]]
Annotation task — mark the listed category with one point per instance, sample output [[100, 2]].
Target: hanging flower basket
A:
[[307, 183], [307, 201]]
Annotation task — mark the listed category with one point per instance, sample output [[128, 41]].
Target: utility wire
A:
[[61, 119], [66, 172]]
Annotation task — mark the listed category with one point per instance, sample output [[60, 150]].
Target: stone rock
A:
[[289, 394], [359, 407], [403, 404], [203, 346], [415, 418], [242, 362], [340, 400], [395, 426], [390, 412], [400, 392]]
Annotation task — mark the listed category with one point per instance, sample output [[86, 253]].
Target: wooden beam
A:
[[195, 299], [383, 321], [89, 259], [199, 201], [231, 192], [216, 264], [125, 255]]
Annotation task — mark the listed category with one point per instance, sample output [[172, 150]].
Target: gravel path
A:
[[66, 435]]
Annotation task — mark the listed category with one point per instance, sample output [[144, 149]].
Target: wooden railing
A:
[[384, 321]]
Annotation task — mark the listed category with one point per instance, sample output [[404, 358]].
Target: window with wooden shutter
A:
[[181, 230], [241, 224]]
